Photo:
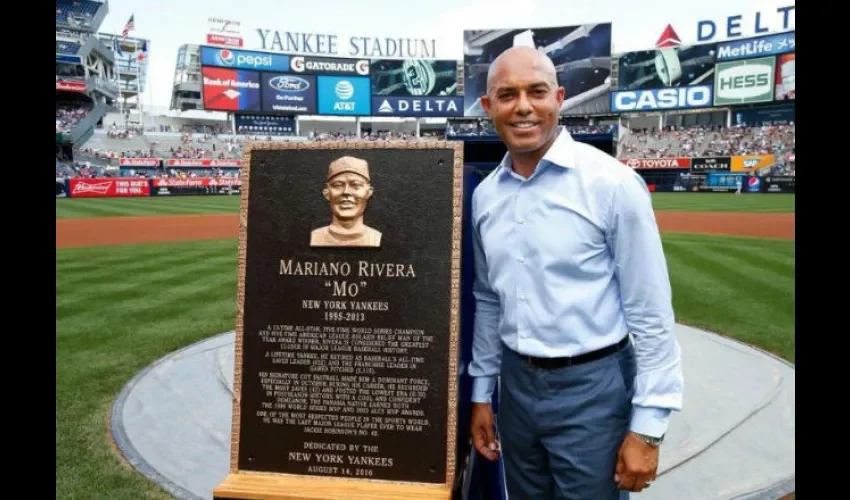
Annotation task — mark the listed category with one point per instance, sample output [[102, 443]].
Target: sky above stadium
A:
[[637, 24]]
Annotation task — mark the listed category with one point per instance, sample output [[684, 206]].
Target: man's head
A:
[[348, 188], [523, 99]]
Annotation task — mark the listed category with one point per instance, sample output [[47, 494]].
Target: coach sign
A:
[[712, 164]]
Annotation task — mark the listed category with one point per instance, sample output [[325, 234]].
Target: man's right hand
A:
[[482, 432]]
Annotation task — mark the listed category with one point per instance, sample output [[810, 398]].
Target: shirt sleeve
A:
[[486, 346], [641, 271]]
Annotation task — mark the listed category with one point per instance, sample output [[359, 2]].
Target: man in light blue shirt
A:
[[568, 264]]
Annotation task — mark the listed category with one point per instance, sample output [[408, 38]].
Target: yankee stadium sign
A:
[[353, 46]]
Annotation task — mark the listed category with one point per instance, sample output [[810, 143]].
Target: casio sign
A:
[[696, 96], [743, 81], [289, 84]]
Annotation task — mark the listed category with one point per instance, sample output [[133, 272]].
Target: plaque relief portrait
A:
[[348, 189]]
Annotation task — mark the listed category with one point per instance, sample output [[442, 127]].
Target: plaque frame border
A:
[[454, 304]]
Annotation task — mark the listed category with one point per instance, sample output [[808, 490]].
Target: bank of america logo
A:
[[385, 107]]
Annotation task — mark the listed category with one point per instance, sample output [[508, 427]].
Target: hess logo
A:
[[289, 84], [740, 82]]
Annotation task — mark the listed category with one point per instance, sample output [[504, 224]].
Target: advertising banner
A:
[[697, 96], [107, 187], [752, 163], [329, 66], [657, 163], [344, 95], [786, 76], [202, 162], [711, 164], [71, 85], [195, 185], [780, 184], [581, 54], [670, 67], [264, 124], [226, 40], [244, 59], [287, 93], [417, 106], [756, 47], [138, 162], [230, 89], [744, 82]]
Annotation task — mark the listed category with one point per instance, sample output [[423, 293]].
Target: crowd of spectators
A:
[[68, 114]]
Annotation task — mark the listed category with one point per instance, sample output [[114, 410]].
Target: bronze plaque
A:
[[347, 325]]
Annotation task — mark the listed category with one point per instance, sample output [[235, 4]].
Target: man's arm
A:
[[486, 346], [641, 269]]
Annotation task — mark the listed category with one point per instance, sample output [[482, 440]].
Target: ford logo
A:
[[289, 84]]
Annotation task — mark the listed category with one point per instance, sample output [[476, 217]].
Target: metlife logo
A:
[[344, 95], [744, 82], [694, 96], [418, 106], [243, 59], [756, 47]]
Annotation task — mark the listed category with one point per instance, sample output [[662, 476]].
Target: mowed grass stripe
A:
[[781, 266], [136, 292], [146, 206], [724, 202], [104, 345], [719, 296]]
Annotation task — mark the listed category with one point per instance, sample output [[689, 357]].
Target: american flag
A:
[[130, 26]]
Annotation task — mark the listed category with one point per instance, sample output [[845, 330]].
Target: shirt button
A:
[[522, 297], [520, 260], [521, 221]]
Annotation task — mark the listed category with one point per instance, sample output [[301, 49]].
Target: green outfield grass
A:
[[118, 309], [68, 208], [122, 207]]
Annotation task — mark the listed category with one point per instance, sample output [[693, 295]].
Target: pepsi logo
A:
[[226, 57]]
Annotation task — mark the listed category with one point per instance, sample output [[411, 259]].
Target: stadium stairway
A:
[[83, 130]]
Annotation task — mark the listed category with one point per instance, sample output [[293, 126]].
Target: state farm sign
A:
[[656, 163]]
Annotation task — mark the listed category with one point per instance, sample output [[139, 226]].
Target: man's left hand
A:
[[637, 464]]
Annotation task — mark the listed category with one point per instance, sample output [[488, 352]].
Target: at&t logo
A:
[[344, 90]]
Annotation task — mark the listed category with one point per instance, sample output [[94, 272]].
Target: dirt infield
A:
[[124, 230]]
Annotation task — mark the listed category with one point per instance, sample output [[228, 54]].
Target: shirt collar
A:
[[560, 153]]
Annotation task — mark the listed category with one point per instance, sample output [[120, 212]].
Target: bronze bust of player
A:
[[348, 190]]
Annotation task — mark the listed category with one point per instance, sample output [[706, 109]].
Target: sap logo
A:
[[289, 84], [744, 80], [751, 162], [639, 100]]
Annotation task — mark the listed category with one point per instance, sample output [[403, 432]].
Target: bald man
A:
[[573, 304]]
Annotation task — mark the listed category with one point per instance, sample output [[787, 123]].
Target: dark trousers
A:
[[561, 429]]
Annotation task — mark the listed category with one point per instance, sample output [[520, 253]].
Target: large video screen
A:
[[413, 77], [681, 66], [786, 87], [227, 89], [581, 54]]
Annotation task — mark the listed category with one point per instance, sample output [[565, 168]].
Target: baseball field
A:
[[138, 278]]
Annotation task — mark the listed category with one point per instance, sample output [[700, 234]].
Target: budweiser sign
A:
[[109, 187], [71, 85], [656, 163]]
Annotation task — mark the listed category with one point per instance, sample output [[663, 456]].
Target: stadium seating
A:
[[76, 12], [67, 47]]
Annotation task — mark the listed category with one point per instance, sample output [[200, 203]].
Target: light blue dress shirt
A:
[[568, 261]]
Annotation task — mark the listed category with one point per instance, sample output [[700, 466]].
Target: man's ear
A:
[[370, 192], [327, 194], [561, 93], [485, 103]]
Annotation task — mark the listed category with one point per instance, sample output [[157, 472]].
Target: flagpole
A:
[[139, 88]]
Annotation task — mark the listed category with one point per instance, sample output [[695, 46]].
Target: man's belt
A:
[[562, 362]]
